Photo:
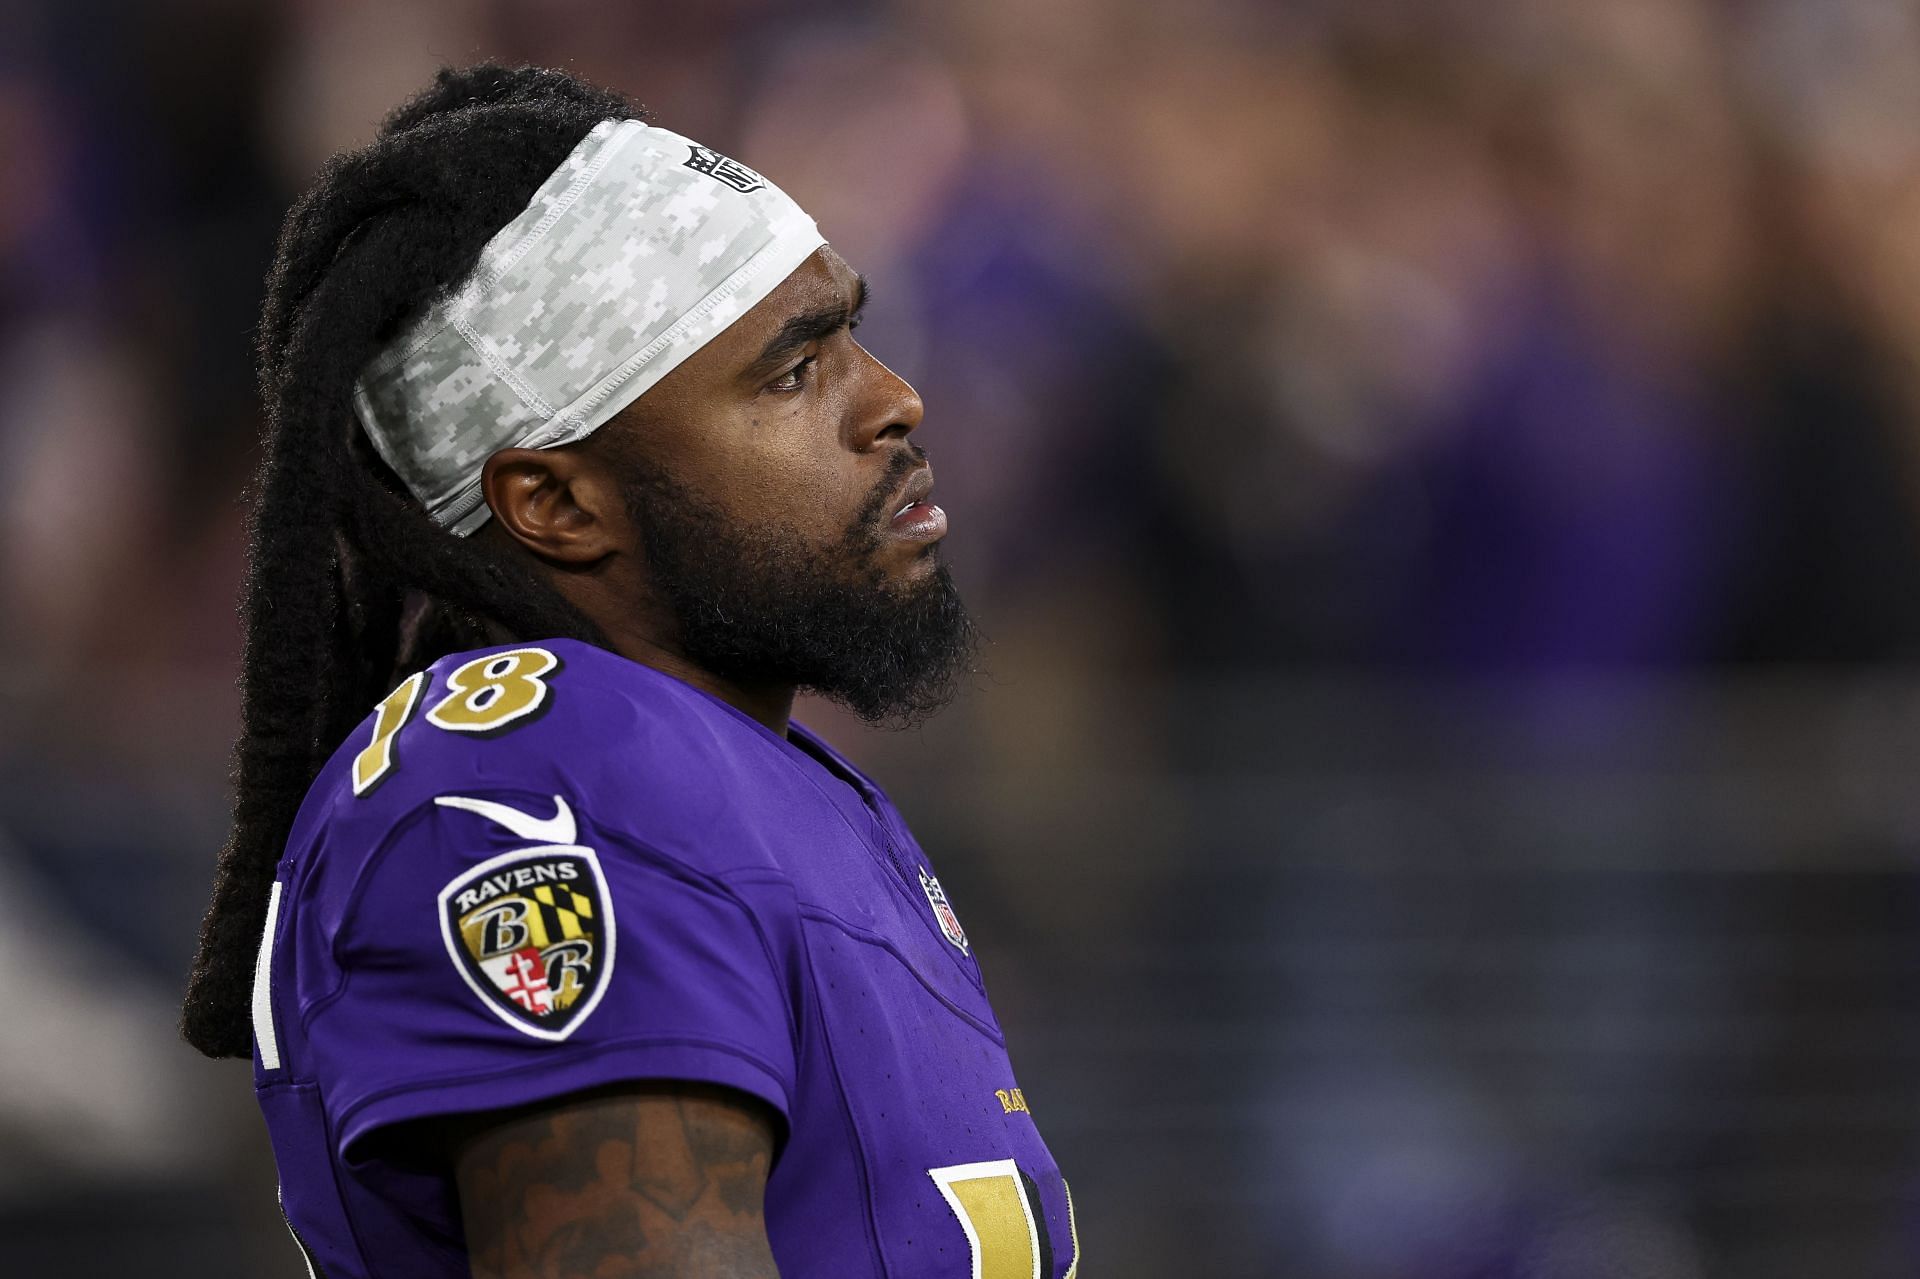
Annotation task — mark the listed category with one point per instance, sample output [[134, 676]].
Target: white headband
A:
[[636, 253]]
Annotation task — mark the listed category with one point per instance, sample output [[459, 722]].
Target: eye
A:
[[794, 378]]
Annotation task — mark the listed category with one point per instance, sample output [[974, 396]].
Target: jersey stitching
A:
[[334, 1172], [874, 939], [852, 1128], [349, 909], [774, 966], [887, 868], [755, 875], [599, 1050], [966, 962], [324, 1002]]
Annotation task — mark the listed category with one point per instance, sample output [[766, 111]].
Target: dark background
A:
[[1441, 480]]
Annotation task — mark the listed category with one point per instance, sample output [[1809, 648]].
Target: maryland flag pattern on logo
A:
[[532, 933]]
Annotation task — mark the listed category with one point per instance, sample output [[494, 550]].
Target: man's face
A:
[[785, 518]]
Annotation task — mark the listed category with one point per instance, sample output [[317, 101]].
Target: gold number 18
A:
[[484, 695]]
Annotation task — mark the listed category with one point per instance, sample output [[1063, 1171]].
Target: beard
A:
[[768, 606]]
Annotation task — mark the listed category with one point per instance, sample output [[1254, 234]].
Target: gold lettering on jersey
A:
[[1012, 1099]]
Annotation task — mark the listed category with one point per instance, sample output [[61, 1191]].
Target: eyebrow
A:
[[812, 326]]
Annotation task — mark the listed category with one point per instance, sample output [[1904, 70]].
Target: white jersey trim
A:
[[263, 1033]]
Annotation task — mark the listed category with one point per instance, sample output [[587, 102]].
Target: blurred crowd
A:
[[1493, 334], [1446, 338]]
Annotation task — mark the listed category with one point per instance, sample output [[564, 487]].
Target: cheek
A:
[[772, 469], [797, 471]]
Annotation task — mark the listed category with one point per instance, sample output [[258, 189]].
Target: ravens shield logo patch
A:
[[531, 931]]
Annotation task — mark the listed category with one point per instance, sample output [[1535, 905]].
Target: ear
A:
[[557, 503]]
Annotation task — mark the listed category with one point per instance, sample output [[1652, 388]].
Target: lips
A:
[[918, 486], [916, 518]]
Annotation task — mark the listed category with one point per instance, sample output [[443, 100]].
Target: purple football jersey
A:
[[545, 868]]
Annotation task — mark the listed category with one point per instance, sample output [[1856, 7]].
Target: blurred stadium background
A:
[[1443, 480]]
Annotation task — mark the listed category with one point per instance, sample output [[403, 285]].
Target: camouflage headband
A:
[[637, 252]]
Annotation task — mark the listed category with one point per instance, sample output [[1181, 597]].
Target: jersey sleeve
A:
[[502, 947]]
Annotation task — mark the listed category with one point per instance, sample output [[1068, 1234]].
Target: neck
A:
[[637, 626], [772, 704]]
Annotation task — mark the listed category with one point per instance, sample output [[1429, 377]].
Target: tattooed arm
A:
[[656, 1181]]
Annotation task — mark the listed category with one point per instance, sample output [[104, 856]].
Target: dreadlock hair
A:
[[349, 584]]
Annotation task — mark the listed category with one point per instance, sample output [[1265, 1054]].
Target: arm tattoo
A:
[[663, 1182]]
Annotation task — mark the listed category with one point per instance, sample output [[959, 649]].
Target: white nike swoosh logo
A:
[[557, 829]]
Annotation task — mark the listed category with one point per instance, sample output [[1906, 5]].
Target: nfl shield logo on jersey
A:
[[943, 910], [532, 933]]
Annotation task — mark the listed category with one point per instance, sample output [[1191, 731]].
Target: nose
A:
[[890, 408]]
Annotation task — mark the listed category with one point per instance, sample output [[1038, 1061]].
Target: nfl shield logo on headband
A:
[[469, 377], [732, 172]]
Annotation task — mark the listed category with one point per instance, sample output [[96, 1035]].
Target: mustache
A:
[[899, 466]]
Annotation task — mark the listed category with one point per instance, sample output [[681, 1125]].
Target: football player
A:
[[558, 949]]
